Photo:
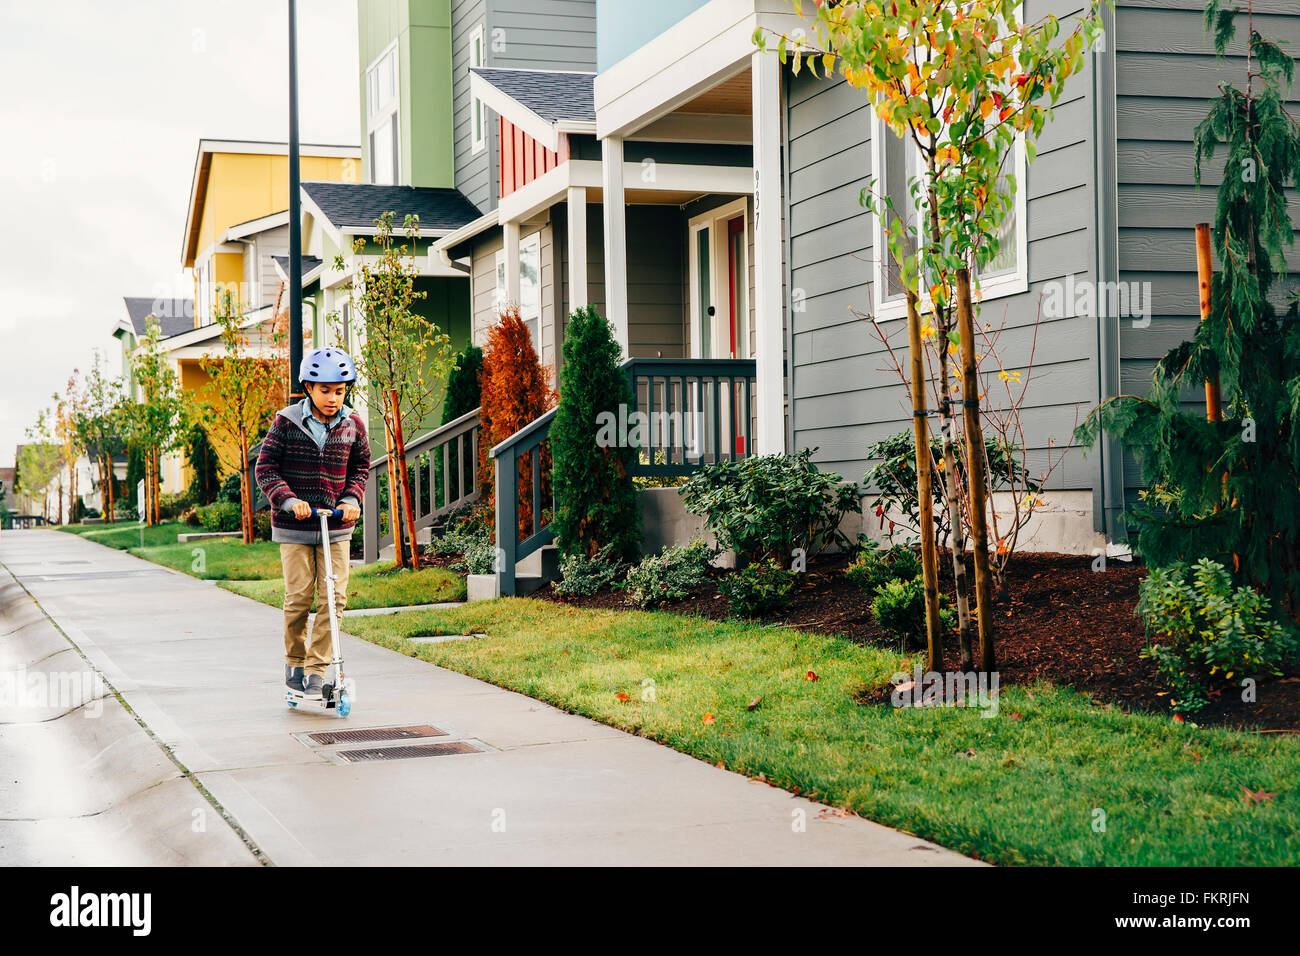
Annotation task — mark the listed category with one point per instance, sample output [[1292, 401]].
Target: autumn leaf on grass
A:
[[1248, 797], [709, 719], [811, 676], [621, 697], [754, 703]]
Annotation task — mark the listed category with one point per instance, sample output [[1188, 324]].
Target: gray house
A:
[[707, 201]]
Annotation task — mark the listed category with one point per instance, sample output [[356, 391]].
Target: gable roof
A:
[[203, 165], [554, 95], [173, 315], [354, 207]]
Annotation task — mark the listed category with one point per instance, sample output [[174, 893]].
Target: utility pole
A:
[[295, 216]]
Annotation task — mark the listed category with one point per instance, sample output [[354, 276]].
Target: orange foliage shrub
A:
[[516, 390]]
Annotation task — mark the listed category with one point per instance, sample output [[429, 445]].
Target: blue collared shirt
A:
[[318, 429]]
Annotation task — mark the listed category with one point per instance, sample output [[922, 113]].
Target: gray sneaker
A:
[[313, 686], [293, 677]]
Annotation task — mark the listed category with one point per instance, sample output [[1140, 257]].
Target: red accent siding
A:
[[522, 159]]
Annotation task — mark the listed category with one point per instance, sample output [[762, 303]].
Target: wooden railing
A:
[[696, 411], [442, 466], [443, 469]]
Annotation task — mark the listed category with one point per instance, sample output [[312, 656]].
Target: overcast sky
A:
[[103, 108]]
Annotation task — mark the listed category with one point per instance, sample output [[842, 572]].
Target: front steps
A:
[[531, 574]]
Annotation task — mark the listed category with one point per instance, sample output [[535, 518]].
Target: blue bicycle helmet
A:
[[327, 365]]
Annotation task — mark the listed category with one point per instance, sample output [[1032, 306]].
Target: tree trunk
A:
[[405, 478], [924, 490], [399, 550], [975, 470], [112, 480]]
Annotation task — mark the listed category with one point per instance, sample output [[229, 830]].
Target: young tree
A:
[[401, 352], [595, 500], [516, 392], [98, 420], [245, 388], [39, 461], [960, 80], [1224, 487], [203, 458], [160, 421]]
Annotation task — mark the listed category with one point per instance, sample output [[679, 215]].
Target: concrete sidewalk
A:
[[200, 669]]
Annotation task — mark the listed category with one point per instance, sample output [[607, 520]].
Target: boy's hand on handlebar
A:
[[301, 509], [350, 511]]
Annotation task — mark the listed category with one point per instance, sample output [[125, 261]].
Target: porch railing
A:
[[442, 466], [692, 412]]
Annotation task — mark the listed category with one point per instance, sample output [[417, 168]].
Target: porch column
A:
[[510, 233], [615, 237], [577, 247], [769, 340]]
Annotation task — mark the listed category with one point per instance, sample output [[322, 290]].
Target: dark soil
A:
[[1057, 620]]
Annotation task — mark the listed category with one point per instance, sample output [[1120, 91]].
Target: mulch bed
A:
[[1057, 621]]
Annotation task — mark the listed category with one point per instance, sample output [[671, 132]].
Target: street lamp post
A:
[[295, 216]]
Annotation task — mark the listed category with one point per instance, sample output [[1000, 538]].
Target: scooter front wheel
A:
[[344, 704]]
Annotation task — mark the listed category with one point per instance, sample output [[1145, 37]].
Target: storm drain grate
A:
[[378, 733], [361, 754]]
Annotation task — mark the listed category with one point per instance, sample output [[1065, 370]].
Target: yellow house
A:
[[238, 216]]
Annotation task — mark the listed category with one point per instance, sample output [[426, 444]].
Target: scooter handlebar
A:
[[331, 512]]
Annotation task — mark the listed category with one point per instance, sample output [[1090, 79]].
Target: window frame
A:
[[478, 110], [378, 115], [533, 317]]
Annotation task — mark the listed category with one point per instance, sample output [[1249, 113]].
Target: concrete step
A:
[[483, 587], [542, 563]]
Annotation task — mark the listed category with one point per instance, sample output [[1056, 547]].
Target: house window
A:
[[897, 165], [382, 127], [479, 118], [530, 272]]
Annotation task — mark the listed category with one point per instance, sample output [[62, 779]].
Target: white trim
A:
[[718, 271], [478, 112], [468, 231], [514, 111], [242, 230], [577, 232], [710, 45], [769, 328], [385, 113], [1011, 283], [510, 243], [615, 214]]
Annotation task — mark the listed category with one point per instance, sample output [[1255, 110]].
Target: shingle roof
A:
[[308, 263], [551, 94], [360, 204], [174, 315]]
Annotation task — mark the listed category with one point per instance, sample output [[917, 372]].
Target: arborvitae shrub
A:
[[595, 500]]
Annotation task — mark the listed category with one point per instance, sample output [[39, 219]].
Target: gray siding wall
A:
[[844, 392], [474, 175], [519, 34], [1166, 76]]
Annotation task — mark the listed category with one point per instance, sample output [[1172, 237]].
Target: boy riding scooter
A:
[[316, 456]]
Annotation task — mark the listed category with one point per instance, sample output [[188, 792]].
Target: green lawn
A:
[[1052, 779], [127, 534], [217, 558], [371, 586]]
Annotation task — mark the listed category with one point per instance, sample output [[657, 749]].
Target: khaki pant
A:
[[304, 574]]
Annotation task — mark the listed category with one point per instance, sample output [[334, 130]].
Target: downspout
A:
[[1108, 484]]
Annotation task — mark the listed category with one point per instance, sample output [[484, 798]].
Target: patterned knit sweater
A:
[[291, 465]]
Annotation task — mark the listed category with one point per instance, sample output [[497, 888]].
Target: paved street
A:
[[206, 765]]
